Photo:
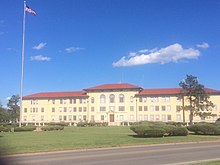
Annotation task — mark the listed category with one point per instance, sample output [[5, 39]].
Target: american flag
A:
[[29, 10]]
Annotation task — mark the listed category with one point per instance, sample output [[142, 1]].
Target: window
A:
[[112, 98], [167, 99], [151, 108], [140, 108], [74, 101], [151, 99], [53, 117], [92, 118], [163, 117], [102, 99], [178, 117], [146, 117], [112, 108], [61, 101], [25, 118], [70, 109], [42, 118], [214, 108], [80, 109], [80, 117], [131, 117], [178, 108], [145, 108], [80, 101], [92, 100], [36, 109], [25, 110], [169, 117], [64, 109], [84, 109], [84, 117], [121, 117], [74, 117], [92, 109], [102, 117], [131, 99], [152, 117], [140, 118], [74, 109], [131, 108], [53, 101], [70, 117], [71, 101], [121, 108], [121, 98], [156, 99], [157, 117], [64, 118], [53, 109], [168, 108], [64, 101], [60, 117], [156, 108], [163, 108], [84, 101], [42, 109], [102, 109], [140, 99], [144, 99]]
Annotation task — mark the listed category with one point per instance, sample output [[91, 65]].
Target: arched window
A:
[[92, 100], [121, 98], [102, 98], [131, 99], [112, 98]]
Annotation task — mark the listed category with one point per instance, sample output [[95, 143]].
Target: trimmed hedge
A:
[[21, 129], [158, 129], [180, 131], [4, 129], [204, 129], [52, 128]]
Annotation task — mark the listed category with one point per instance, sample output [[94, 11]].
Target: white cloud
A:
[[40, 46], [72, 49], [40, 58], [171, 53], [203, 45]]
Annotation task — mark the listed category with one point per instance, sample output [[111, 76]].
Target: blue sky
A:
[[76, 44]]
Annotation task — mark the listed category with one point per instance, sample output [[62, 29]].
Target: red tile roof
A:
[[171, 91], [113, 86], [44, 95]]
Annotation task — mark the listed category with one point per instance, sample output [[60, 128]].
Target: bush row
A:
[[92, 124], [158, 129], [205, 128], [52, 128]]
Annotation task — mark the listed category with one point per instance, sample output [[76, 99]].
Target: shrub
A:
[[27, 128], [4, 129], [60, 124], [140, 129], [180, 131], [82, 124], [203, 129], [154, 131], [52, 128]]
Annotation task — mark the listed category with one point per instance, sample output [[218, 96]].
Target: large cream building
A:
[[111, 103]]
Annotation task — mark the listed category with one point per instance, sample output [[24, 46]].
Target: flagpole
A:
[[22, 66]]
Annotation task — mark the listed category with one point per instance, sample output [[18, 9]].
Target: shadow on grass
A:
[[143, 136]]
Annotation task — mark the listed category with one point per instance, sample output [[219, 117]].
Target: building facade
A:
[[111, 103]]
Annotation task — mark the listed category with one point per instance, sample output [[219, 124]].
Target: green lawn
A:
[[82, 137], [217, 162]]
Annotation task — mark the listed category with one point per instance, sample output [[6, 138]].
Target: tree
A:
[[4, 116], [199, 104], [14, 108]]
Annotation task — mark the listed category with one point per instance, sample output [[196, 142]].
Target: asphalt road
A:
[[165, 154]]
